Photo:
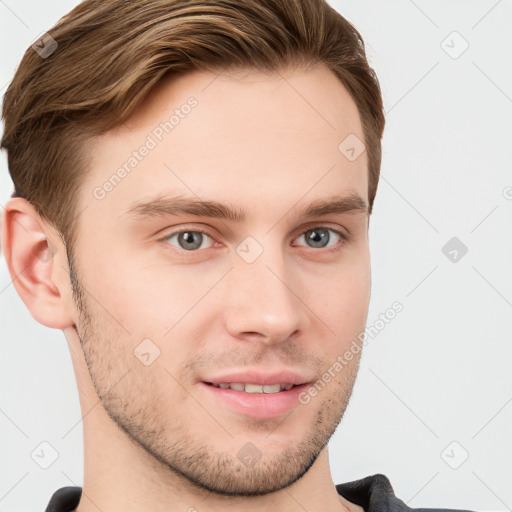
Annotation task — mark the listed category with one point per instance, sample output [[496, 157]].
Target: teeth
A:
[[254, 388], [271, 388]]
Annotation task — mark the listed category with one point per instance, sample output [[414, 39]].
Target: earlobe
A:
[[35, 263]]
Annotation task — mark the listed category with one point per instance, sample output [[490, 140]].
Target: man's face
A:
[[165, 313]]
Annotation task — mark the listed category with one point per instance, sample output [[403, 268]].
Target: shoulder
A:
[[375, 493], [64, 499]]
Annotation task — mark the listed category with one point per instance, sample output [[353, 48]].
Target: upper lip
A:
[[258, 377]]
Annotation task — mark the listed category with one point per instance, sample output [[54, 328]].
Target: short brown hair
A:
[[111, 54]]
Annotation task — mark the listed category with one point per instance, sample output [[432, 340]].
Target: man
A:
[[193, 185]]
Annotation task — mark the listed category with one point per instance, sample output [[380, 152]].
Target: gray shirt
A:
[[374, 493]]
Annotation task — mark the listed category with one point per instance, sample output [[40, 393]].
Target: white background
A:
[[439, 373]]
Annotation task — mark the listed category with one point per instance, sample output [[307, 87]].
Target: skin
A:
[[153, 438]]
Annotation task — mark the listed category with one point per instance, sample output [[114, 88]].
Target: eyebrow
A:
[[162, 206]]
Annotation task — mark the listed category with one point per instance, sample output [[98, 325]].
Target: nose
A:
[[264, 299]]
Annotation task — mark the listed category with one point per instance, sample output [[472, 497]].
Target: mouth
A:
[[254, 400]]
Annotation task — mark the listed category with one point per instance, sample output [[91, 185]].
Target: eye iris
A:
[[188, 237], [318, 236]]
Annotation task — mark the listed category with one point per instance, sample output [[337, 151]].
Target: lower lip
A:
[[257, 405]]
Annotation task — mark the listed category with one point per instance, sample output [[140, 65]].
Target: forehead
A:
[[244, 137]]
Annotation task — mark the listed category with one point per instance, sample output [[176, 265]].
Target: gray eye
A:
[[188, 240], [318, 238]]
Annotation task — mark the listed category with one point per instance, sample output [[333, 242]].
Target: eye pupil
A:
[[188, 238], [318, 236]]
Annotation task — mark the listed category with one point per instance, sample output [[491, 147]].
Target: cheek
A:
[[145, 299], [354, 296], [345, 295]]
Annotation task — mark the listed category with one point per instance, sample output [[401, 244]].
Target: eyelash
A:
[[343, 239]]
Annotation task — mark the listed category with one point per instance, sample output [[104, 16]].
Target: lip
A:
[[256, 405]]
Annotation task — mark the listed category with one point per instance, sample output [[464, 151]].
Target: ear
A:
[[38, 265]]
